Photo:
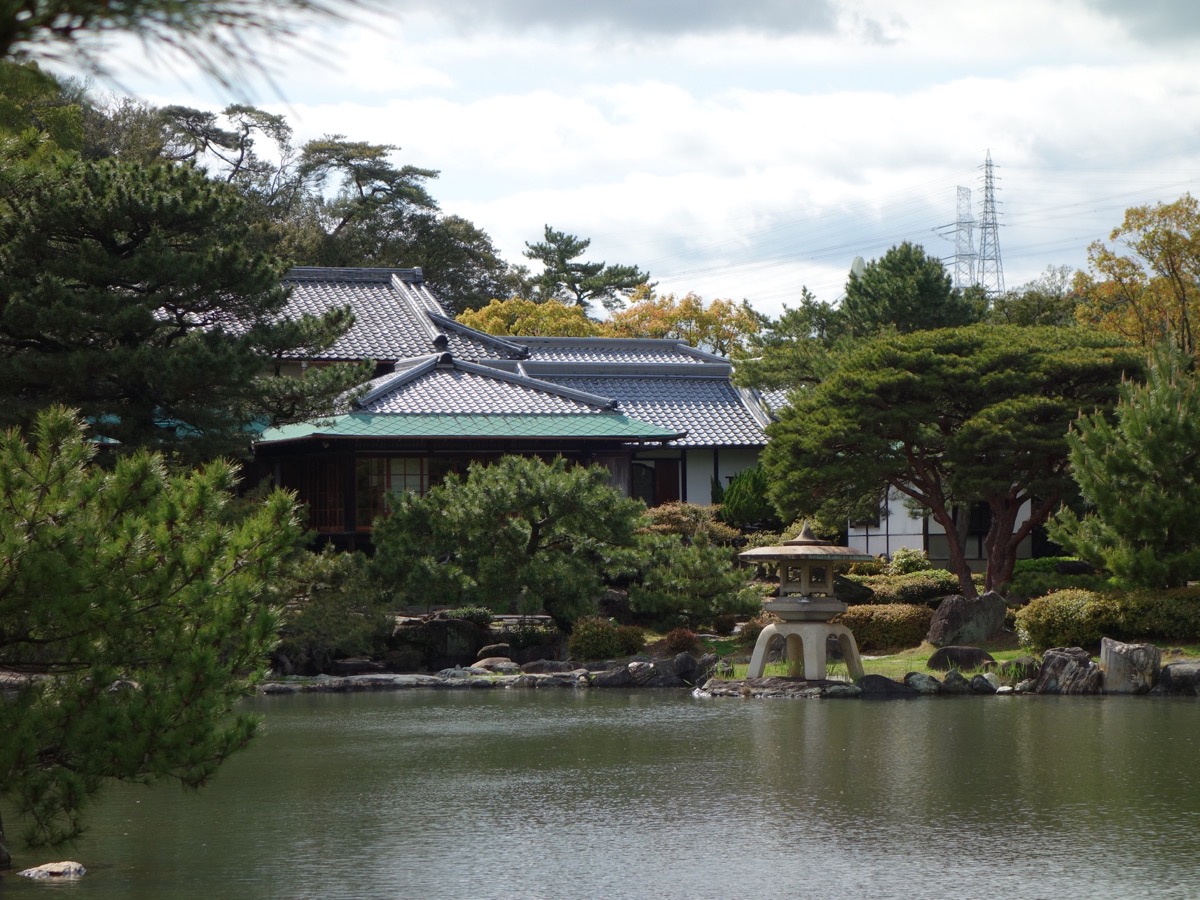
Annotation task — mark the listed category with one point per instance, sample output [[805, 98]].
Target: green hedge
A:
[[888, 627], [927, 586], [1038, 583], [1041, 564], [1080, 618]]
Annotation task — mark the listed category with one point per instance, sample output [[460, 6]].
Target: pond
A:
[[562, 794]]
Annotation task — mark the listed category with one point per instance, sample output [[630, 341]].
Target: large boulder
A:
[[877, 687], [962, 658], [981, 684], [551, 650], [618, 677], [922, 683], [547, 666], [1069, 670], [405, 659], [1181, 677], [967, 620], [955, 683], [687, 667], [501, 665], [1129, 668]]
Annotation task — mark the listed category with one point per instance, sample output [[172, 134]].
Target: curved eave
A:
[[607, 427]]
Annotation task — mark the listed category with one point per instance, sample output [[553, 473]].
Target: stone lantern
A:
[[805, 602]]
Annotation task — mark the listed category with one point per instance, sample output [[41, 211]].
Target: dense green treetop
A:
[[525, 536], [947, 417], [331, 201], [146, 598], [127, 291], [906, 290], [519, 535], [1137, 474], [794, 349]]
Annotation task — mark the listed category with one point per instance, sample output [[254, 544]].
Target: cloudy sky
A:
[[746, 148]]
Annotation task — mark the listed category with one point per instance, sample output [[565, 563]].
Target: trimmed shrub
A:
[[1067, 618], [631, 640], [681, 640], [1171, 615], [888, 627], [1080, 618], [761, 539], [688, 520], [1046, 564], [528, 633], [723, 624], [874, 567], [746, 503], [593, 638], [748, 636], [476, 615], [926, 586], [906, 560]]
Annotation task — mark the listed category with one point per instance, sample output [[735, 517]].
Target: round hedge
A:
[[925, 586], [887, 626], [1080, 618]]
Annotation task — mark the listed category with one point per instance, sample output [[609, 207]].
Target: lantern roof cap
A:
[[806, 546]]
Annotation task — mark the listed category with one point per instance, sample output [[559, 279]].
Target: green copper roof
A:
[[611, 426]]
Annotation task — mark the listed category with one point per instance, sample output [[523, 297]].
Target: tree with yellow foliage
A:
[[722, 326], [1146, 289], [518, 317]]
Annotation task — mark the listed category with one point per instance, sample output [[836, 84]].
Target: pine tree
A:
[[906, 290], [948, 417], [1137, 472], [567, 278], [127, 291], [520, 531], [143, 596]]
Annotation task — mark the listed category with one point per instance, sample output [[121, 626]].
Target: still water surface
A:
[[613, 794]]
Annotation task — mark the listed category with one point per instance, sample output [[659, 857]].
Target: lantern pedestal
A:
[[807, 641]]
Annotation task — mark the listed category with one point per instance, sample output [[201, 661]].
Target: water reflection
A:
[[622, 794]]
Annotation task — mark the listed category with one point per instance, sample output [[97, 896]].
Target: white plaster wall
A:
[[730, 461], [899, 529]]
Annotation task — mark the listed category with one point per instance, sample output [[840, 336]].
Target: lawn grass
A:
[[914, 659]]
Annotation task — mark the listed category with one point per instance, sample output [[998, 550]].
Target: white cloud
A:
[[747, 154]]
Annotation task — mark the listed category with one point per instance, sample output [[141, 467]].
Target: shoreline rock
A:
[[65, 870], [1062, 671]]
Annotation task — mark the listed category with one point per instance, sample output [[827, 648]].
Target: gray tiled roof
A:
[[661, 382], [395, 316], [711, 410], [775, 399], [440, 384], [616, 350]]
